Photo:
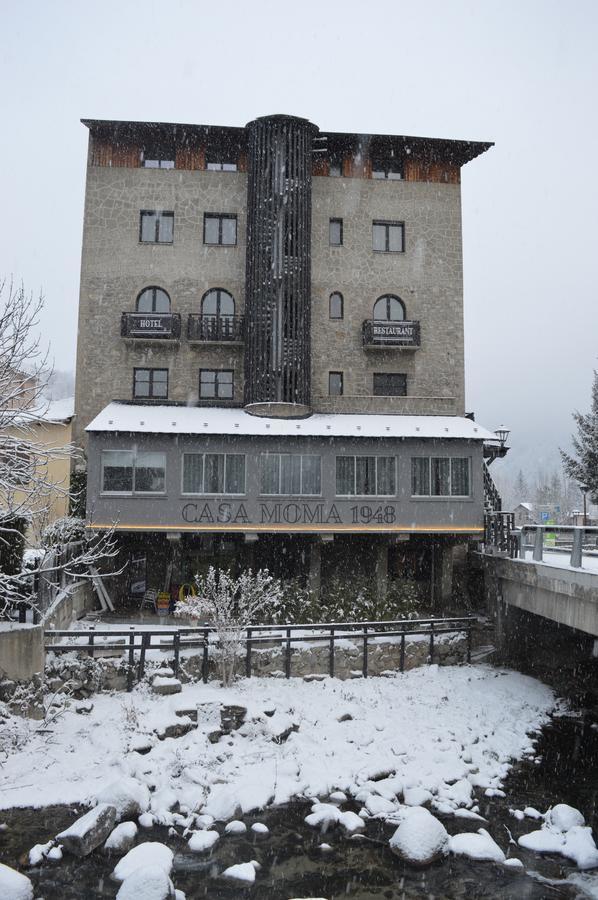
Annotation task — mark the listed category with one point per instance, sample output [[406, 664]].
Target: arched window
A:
[[153, 300], [335, 306], [389, 308], [217, 302]]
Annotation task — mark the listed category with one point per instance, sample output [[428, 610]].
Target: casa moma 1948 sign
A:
[[288, 513]]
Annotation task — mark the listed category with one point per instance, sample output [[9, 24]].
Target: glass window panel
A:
[[207, 383], [214, 166], [381, 309], [378, 173], [166, 226], [336, 306], [161, 301], [441, 476], [345, 475], [160, 383], [149, 472], [225, 385], [385, 475], [151, 163], [290, 473], [395, 237], [211, 230], [235, 473], [145, 301], [192, 473], [365, 475], [167, 163], [311, 478], [336, 232], [209, 304], [379, 237], [460, 477], [227, 304], [214, 473], [335, 170], [420, 476], [117, 470], [335, 384], [229, 167], [148, 227], [395, 176], [395, 309], [142, 383], [229, 230], [270, 473]]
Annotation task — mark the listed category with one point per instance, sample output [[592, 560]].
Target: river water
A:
[[564, 771]]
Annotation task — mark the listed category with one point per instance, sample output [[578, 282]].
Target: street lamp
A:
[[584, 489], [502, 433]]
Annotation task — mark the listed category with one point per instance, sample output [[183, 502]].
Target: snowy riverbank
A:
[[444, 731]]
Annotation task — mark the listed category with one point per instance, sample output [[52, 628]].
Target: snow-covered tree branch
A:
[[583, 465]]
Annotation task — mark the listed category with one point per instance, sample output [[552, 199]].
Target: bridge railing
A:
[[579, 542]]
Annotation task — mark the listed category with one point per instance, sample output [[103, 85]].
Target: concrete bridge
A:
[[554, 576]]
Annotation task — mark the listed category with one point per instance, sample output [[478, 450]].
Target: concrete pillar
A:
[[444, 571], [315, 567], [381, 563]]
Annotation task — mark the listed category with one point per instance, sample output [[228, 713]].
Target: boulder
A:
[[235, 827], [150, 854], [166, 686], [202, 841], [89, 831], [563, 817], [122, 838], [129, 797], [232, 717], [241, 872], [420, 838], [14, 885], [147, 883], [476, 846]]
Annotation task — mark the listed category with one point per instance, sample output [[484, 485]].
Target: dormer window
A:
[[391, 169], [156, 156]]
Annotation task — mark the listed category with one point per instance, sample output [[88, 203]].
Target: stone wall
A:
[[21, 651], [70, 604]]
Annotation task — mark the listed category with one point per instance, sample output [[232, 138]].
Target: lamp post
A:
[[502, 433], [584, 489]]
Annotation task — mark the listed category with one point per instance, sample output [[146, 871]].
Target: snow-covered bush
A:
[[230, 604], [65, 530]]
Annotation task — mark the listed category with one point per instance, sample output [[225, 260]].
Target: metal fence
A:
[[137, 643], [577, 541]]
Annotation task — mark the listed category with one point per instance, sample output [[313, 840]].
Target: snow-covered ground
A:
[[445, 731]]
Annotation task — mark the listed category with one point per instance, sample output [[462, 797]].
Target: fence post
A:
[[205, 661], [431, 643], [331, 657], [287, 661], [145, 640], [177, 650], [469, 643], [521, 544], [539, 545], [91, 637], [131, 660], [365, 651], [577, 549], [248, 654], [402, 660]]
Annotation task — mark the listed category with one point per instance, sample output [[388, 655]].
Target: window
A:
[[388, 237], [213, 473], [364, 476], [221, 166], [290, 473], [217, 303], [335, 169], [335, 232], [129, 471], [440, 476], [156, 227], [216, 384], [157, 157], [220, 228], [335, 305], [389, 308], [390, 384], [153, 300], [391, 169], [335, 384], [151, 383]]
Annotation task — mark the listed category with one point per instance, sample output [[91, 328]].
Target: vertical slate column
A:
[[278, 273]]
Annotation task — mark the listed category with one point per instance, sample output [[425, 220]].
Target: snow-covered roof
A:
[[528, 506], [60, 410], [141, 419]]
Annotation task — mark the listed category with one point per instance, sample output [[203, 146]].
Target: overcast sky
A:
[[523, 74]]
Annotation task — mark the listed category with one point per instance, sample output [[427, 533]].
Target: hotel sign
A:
[[154, 325]]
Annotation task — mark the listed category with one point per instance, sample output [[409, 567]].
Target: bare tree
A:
[[230, 604], [26, 488]]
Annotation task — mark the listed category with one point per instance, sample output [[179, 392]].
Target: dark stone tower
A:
[[278, 273]]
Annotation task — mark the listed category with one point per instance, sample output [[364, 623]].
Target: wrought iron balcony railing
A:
[[151, 326], [380, 333], [215, 329]]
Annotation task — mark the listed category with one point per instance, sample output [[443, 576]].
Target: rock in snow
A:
[[202, 841], [563, 817], [260, 828], [89, 831], [236, 827], [144, 856], [563, 832], [240, 872], [476, 846], [128, 796], [122, 838], [14, 885], [420, 838], [147, 883]]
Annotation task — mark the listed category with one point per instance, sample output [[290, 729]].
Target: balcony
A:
[[215, 329], [151, 326], [382, 335]]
